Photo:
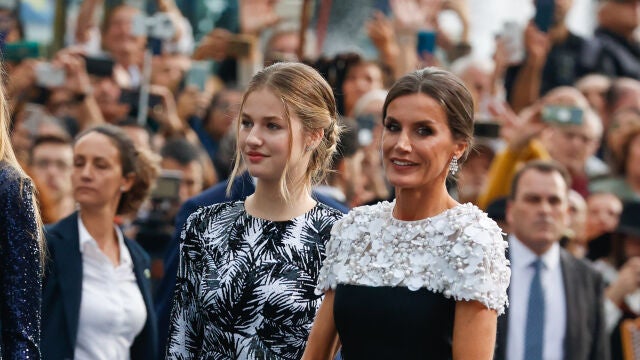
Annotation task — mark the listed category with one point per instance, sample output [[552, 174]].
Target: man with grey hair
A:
[[575, 146]]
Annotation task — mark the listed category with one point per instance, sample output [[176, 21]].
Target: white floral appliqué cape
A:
[[459, 253]]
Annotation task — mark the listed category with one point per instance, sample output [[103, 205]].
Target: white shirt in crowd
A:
[[555, 321], [112, 310]]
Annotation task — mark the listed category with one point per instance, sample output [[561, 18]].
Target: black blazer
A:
[[63, 290], [586, 337]]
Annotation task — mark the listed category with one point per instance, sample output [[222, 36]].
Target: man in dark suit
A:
[[243, 186], [556, 302]]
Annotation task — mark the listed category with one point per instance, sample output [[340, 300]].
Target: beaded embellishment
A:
[[459, 253]]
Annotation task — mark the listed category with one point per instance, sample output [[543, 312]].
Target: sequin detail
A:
[[459, 253], [20, 268]]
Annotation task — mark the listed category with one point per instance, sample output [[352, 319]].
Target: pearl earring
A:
[[453, 166], [122, 189]]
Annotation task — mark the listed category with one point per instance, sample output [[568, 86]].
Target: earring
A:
[[122, 189], [453, 166]]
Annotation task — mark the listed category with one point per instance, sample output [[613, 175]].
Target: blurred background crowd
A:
[[560, 81]]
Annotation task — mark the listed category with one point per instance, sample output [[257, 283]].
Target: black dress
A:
[[397, 282], [245, 286]]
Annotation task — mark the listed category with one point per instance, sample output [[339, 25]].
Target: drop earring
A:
[[453, 166]]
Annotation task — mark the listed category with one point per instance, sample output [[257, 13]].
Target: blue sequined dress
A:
[[20, 269]]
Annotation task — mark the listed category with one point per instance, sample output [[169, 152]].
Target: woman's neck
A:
[[267, 202], [417, 204], [99, 223]]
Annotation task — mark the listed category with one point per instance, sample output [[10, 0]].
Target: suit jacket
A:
[[585, 337], [62, 293], [242, 187]]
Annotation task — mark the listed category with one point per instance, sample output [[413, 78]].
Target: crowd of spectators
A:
[[570, 98]]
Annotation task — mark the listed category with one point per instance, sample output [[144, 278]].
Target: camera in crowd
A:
[[158, 26], [156, 225]]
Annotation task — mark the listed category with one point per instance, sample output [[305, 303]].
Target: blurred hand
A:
[[627, 282], [380, 31], [413, 15], [518, 131], [383, 36], [77, 78], [256, 15], [166, 113], [537, 45], [22, 77], [213, 45], [192, 102]]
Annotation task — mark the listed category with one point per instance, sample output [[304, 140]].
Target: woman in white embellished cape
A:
[[422, 276]]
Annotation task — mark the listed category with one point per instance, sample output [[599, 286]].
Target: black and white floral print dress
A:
[[245, 286]]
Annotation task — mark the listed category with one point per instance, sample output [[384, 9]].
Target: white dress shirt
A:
[[555, 321], [112, 310]]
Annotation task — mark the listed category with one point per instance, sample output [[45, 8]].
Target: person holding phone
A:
[[97, 290], [553, 55], [248, 269], [561, 126], [422, 276]]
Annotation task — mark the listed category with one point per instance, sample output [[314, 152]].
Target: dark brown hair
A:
[[543, 166], [448, 90], [140, 163]]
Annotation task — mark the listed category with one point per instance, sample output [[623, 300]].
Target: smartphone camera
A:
[[562, 115], [167, 187], [366, 123], [49, 76], [426, 42]]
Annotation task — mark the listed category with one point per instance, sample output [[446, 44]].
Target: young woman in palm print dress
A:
[[245, 287]]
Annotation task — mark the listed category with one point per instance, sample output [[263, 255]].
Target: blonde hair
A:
[[8, 155], [305, 93]]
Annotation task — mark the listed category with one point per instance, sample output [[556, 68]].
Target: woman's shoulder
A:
[[217, 212], [366, 213], [15, 189], [10, 178], [470, 220]]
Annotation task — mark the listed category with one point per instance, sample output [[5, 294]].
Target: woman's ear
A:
[[314, 138], [460, 149], [127, 182]]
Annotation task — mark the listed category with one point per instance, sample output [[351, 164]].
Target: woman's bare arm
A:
[[474, 331], [323, 339]]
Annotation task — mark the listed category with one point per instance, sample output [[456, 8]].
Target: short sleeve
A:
[[186, 323], [477, 267], [327, 278]]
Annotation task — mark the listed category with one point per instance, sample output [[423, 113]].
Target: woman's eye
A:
[[273, 126], [424, 131], [390, 126], [246, 123]]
